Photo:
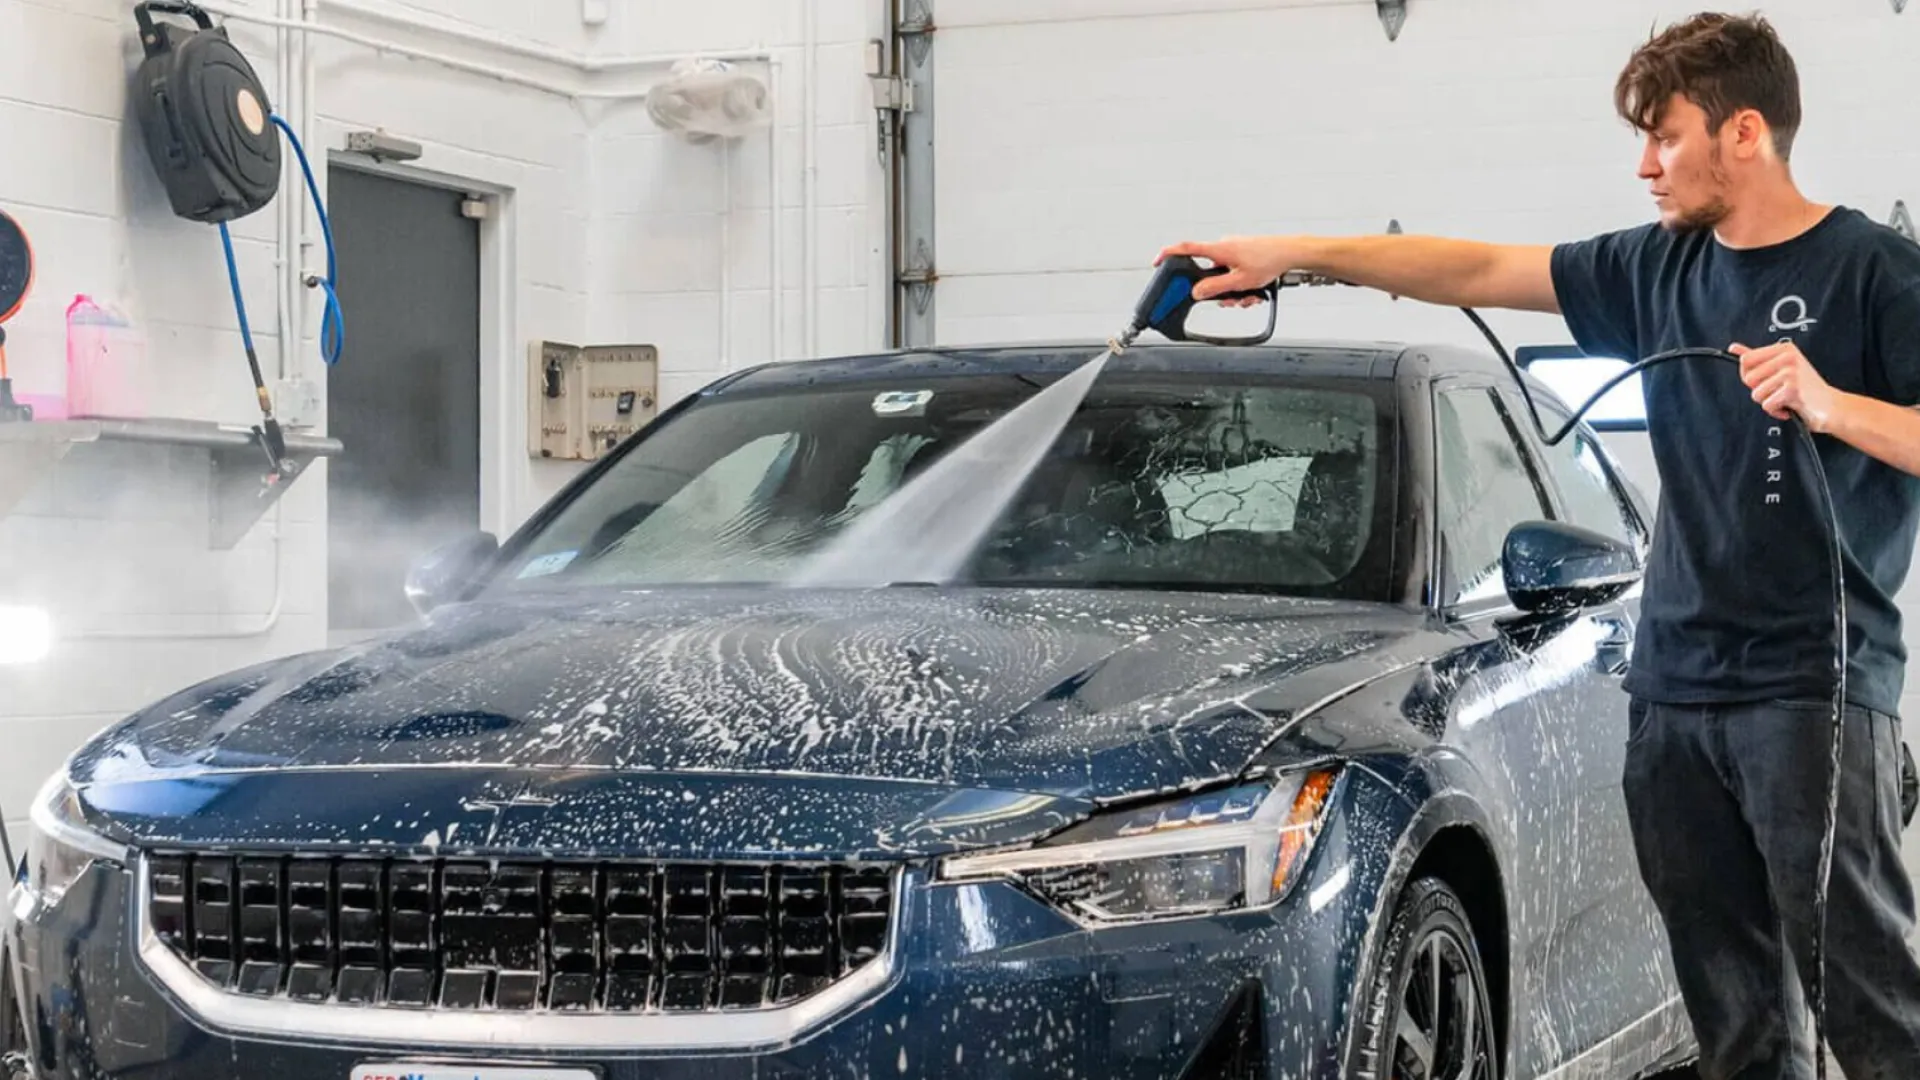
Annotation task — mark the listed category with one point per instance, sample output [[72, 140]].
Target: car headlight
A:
[[60, 844], [1227, 850]]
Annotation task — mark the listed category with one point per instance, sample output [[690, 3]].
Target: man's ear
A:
[[1751, 135]]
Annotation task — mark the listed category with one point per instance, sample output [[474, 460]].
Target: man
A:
[[1732, 673]]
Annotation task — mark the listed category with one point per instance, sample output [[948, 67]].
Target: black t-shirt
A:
[[1738, 601]]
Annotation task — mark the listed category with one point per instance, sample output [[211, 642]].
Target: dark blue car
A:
[[1274, 730]]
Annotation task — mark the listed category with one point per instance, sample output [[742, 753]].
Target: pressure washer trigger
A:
[[1168, 301]]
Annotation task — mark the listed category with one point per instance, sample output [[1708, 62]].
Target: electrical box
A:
[[583, 400]]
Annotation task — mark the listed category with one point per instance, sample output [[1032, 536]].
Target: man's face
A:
[[1685, 169]]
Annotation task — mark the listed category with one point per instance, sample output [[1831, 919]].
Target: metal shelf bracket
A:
[[240, 485]]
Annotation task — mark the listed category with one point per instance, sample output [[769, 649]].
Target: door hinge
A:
[[916, 28], [919, 278], [1393, 16]]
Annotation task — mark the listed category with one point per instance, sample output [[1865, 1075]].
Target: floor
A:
[[1911, 851]]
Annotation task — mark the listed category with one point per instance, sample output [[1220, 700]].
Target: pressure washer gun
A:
[[1169, 300]]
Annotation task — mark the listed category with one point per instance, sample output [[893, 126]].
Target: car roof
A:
[[1372, 360]]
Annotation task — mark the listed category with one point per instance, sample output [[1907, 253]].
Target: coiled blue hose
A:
[[333, 324]]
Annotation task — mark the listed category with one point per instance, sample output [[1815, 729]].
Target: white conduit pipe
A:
[[285, 213], [308, 121], [581, 62], [810, 202], [490, 71], [726, 256], [264, 626], [776, 217]]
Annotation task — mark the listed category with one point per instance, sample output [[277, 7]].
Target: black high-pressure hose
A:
[[1819, 976]]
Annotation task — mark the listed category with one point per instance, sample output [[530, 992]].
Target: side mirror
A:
[[1552, 566], [444, 571]]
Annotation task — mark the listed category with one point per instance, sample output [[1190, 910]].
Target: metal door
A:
[[405, 396]]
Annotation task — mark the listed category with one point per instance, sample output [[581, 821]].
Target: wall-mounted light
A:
[[1574, 377], [26, 634]]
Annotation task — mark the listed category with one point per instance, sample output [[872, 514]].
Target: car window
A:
[[1592, 500], [1486, 486], [1166, 480]]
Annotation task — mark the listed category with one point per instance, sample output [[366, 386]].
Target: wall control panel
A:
[[584, 400]]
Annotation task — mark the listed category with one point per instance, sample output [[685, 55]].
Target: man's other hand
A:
[[1784, 383]]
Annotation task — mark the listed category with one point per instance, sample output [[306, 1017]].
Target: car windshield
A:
[[1260, 484]]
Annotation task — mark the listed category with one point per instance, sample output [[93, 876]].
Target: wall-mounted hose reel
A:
[[209, 131], [206, 117]]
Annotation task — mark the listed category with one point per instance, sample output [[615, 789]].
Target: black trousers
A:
[[1728, 808]]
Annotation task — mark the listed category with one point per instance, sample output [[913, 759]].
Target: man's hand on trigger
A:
[[1251, 262], [1784, 383]]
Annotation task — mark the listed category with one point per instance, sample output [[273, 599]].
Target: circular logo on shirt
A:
[[1790, 314]]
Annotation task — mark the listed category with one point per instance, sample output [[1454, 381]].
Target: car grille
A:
[[605, 937]]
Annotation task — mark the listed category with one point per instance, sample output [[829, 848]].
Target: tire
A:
[[1400, 1037]]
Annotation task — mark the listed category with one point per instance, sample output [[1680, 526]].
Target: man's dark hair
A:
[[1722, 63]]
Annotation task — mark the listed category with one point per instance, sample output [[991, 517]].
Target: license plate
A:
[[467, 1073]]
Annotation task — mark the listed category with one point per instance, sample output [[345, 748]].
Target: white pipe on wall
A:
[[379, 45], [531, 50], [264, 626], [810, 202], [776, 216], [287, 73], [307, 122], [726, 255]]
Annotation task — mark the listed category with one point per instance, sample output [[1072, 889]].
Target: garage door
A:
[[1074, 138]]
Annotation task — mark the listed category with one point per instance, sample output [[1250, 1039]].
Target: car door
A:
[[1507, 684], [1614, 938]]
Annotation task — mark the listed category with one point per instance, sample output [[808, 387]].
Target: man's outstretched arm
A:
[[1431, 269]]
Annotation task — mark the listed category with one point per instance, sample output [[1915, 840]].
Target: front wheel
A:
[[1427, 1013]]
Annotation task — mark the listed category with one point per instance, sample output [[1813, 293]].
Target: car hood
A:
[[879, 698]]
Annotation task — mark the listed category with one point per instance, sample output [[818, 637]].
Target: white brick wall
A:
[[611, 232]]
